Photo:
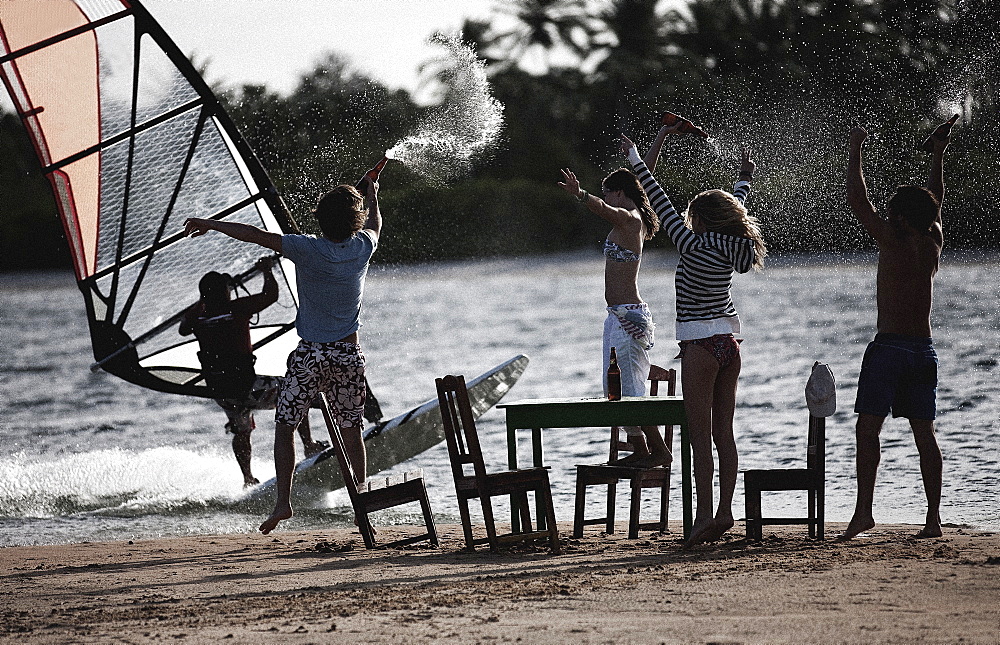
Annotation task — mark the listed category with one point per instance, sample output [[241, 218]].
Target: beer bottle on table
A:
[[372, 174], [614, 377], [687, 127], [941, 133]]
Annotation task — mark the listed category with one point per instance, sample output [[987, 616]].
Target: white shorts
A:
[[633, 360]]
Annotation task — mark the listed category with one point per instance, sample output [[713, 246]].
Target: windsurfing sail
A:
[[133, 142]]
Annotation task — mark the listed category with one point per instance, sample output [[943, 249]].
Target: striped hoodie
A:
[[707, 261]]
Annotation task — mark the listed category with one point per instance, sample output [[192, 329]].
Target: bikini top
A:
[[618, 254]]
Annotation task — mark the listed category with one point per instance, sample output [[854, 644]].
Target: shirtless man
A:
[[899, 370]]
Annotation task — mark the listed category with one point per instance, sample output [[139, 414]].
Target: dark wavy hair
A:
[[626, 181], [916, 206], [341, 212]]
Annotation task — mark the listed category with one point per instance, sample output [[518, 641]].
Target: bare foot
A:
[[279, 514], [250, 481], [722, 524], [700, 531], [649, 461], [629, 460], [929, 531], [857, 526]]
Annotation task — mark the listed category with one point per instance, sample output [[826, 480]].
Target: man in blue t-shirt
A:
[[330, 276]]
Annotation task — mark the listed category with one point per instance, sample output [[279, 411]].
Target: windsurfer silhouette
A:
[[222, 326]]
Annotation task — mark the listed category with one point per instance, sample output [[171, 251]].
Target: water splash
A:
[[467, 123], [116, 481], [964, 78]]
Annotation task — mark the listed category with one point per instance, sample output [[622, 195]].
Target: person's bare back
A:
[[907, 263]]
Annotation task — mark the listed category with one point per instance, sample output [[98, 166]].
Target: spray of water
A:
[[800, 148], [467, 122]]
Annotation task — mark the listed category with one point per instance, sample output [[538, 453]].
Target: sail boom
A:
[[66, 35], [131, 132]]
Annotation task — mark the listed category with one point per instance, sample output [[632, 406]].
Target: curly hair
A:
[[341, 212], [721, 212], [626, 181]]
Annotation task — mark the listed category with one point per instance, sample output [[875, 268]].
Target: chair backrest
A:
[[339, 449], [816, 447], [459, 427], [657, 375]]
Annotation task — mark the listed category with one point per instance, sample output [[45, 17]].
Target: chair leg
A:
[[811, 497], [581, 501], [545, 491], [365, 529], [491, 527], [753, 511], [525, 511], [665, 501], [820, 512], [609, 526], [635, 502], [463, 510], [425, 506]]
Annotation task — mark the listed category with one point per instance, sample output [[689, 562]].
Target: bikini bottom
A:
[[724, 348]]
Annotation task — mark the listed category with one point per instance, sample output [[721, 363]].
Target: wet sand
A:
[[323, 586]]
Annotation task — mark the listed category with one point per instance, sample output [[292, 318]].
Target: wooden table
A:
[[535, 414]]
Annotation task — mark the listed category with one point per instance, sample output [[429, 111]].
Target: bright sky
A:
[[275, 41]]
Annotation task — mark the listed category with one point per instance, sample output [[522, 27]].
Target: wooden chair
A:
[[638, 478], [379, 492], [811, 479], [464, 450]]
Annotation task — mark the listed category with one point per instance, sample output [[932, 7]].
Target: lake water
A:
[[88, 457]]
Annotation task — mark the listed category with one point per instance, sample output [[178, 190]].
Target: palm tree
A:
[[542, 28]]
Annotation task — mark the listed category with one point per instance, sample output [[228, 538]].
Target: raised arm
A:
[[196, 226], [269, 294], [670, 221], [374, 221], [857, 191], [742, 186], [654, 150], [596, 205], [935, 179]]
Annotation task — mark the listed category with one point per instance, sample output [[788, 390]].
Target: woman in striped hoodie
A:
[[715, 238]]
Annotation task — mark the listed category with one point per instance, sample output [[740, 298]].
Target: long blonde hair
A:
[[721, 212]]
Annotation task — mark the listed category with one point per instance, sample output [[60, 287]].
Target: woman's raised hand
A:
[[570, 183], [626, 144], [747, 167]]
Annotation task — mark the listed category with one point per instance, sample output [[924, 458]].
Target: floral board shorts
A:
[[338, 369]]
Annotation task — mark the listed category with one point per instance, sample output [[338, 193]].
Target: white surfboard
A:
[[398, 439]]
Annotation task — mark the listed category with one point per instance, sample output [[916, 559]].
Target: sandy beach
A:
[[323, 586]]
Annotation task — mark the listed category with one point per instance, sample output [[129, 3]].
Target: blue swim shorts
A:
[[898, 375]]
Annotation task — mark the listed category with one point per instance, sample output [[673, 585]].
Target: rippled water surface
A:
[[87, 457]]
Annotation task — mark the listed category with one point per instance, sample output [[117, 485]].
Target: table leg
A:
[[515, 518], [536, 452], [686, 480]]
